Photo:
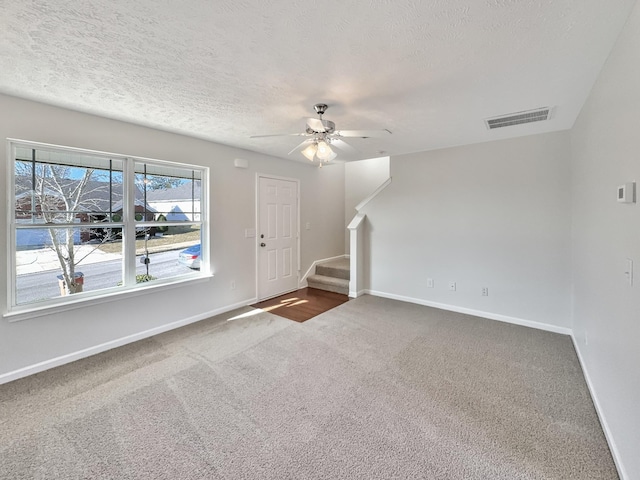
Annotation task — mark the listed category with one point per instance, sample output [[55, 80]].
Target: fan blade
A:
[[306, 142], [305, 134], [317, 125], [342, 145], [362, 133]]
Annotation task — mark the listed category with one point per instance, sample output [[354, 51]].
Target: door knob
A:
[[263, 244]]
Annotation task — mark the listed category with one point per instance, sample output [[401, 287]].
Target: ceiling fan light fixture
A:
[[324, 151], [331, 156], [310, 151], [321, 134]]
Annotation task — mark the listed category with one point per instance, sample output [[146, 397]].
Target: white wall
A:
[[27, 342], [606, 153], [494, 214], [361, 179]]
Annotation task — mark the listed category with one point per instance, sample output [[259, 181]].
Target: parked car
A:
[[190, 257]]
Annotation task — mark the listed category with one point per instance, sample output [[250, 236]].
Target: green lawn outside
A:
[[174, 238]]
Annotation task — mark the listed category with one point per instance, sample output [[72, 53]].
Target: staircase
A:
[[332, 276]]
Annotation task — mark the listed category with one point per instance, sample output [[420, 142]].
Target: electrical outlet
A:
[[429, 282], [485, 291], [452, 286], [233, 284]]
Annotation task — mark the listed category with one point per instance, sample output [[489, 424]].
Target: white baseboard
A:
[[87, 352], [357, 294], [603, 421], [476, 313], [303, 281]]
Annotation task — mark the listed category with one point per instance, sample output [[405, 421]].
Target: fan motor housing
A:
[[329, 127]]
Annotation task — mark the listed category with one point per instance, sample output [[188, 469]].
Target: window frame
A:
[[128, 223]]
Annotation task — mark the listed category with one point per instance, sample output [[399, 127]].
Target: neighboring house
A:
[[98, 200], [177, 204]]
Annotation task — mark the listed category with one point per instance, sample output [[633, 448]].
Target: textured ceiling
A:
[[429, 71]]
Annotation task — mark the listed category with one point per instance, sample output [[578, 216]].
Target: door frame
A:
[[257, 247]]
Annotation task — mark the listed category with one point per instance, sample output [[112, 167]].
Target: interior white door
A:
[[277, 236]]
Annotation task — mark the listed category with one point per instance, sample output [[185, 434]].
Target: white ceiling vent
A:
[[518, 118]]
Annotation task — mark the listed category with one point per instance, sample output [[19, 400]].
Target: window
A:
[[86, 224]]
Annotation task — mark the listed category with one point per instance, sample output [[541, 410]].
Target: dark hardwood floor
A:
[[302, 304]]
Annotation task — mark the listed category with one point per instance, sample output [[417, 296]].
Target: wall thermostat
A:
[[241, 163], [627, 193]]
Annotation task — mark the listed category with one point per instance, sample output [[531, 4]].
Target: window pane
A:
[[173, 253], [70, 219], [43, 254], [168, 194], [52, 187]]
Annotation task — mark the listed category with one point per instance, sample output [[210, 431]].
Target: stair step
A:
[[330, 284], [339, 268]]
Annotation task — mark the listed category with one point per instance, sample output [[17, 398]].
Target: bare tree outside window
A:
[[66, 195], [73, 210]]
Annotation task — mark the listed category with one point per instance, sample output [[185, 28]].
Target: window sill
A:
[[30, 311]]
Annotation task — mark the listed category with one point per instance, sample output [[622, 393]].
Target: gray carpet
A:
[[373, 389]]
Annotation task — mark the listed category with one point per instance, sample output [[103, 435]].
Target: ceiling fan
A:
[[323, 135]]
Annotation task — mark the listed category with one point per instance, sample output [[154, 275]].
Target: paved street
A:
[[98, 274]]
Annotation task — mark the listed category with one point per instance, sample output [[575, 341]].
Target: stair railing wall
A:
[[358, 245], [356, 260]]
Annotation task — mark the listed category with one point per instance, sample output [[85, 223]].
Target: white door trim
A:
[[257, 227]]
